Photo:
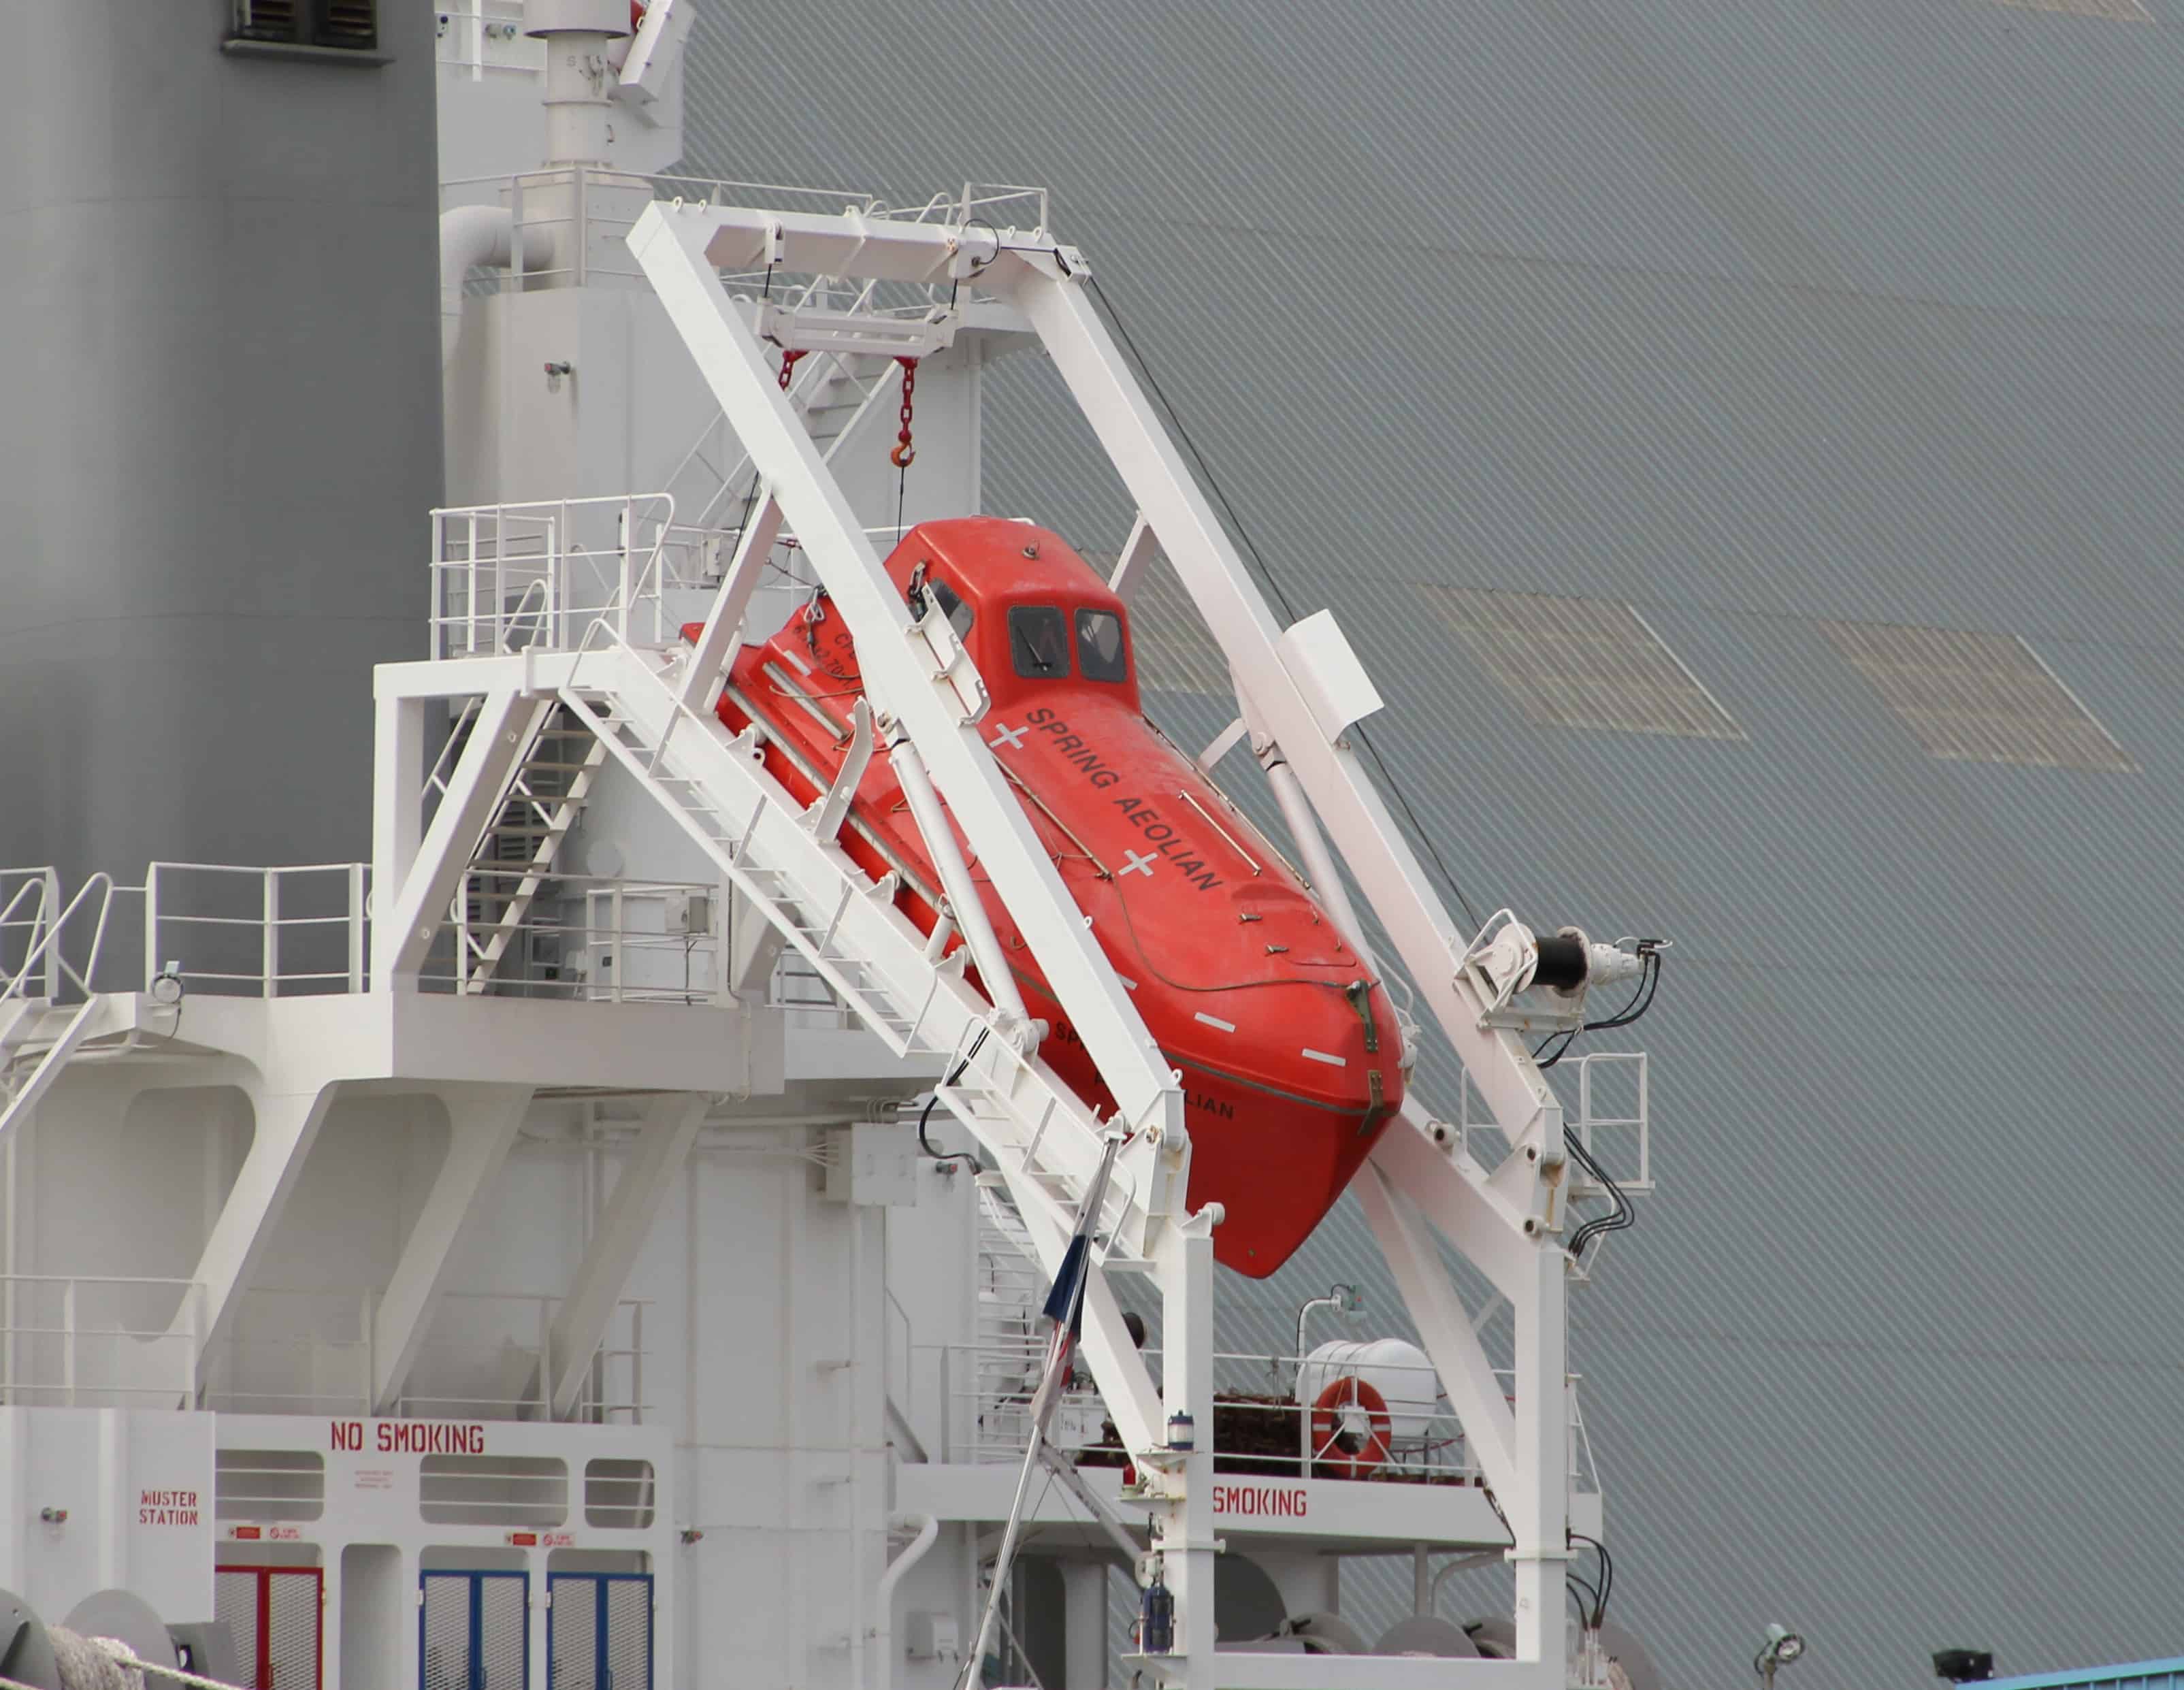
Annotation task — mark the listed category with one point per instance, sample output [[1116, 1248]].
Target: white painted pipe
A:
[[1303, 829], [927, 1529], [970, 909], [474, 237]]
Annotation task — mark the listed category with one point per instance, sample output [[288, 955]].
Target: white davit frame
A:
[[1297, 691]]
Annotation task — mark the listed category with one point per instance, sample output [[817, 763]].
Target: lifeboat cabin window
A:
[[960, 615], [1038, 642], [1100, 655]]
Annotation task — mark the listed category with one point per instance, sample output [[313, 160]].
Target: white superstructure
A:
[[510, 1260]]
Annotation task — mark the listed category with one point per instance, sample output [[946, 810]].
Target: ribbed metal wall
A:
[[1754, 320], [221, 431]]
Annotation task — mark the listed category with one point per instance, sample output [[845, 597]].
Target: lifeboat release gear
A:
[[1289, 1050]]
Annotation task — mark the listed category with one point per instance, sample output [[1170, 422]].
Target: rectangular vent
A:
[[1581, 663], [2115, 11], [269, 20], [1978, 698], [348, 23], [492, 1489], [619, 1490], [269, 1484]]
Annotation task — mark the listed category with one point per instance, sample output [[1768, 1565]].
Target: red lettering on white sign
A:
[[166, 1508], [1272, 1501]]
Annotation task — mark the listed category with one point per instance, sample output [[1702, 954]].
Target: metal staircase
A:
[[517, 854], [785, 861], [830, 394], [38, 1034]]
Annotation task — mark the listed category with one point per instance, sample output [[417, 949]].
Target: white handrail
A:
[[102, 884]]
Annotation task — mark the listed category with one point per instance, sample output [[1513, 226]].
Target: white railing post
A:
[[545, 1359], [193, 1297], [50, 909], [68, 1342], [270, 959], [151, 925], [356, 935]]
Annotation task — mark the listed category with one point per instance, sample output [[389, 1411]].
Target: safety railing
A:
[[93, 1340], [486, 1355], [1611, 1115], [601, 940], [485, 37], [29, 899], [585, 211], [536, 574], [225, 930], [1279, 1416]]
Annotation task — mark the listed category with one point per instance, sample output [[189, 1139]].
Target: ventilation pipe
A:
[[475, 237], [579, 74], [927, 1529]]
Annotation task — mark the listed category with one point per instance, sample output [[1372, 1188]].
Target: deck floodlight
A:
[[1964, 1666], [1781, 1647]]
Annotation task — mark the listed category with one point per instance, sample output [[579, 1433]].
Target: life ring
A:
[[1331, 1426]]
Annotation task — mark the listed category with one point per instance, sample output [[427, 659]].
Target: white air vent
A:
[[270, 19], [494, 1490], [269, 1484], [1581, 663], [1979, 698], [619, 1492], [2115, 11]]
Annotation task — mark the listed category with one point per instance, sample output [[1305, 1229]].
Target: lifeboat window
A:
[[1038, 641], [1100, 655], [960, 615]]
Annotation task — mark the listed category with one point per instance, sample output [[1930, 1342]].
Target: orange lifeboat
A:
[[1290, 1052]]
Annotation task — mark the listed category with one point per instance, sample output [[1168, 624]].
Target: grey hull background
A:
[[1751, 318]]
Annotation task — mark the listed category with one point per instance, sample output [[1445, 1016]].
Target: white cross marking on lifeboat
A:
[[1009, 736], [1140, 862]]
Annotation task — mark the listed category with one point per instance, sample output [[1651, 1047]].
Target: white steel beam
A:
[[1475, 1390], [1055, 302], [506, 722], [1139, 550], [678, 249], [1126, 1384], [663, 1146], [1183, 1535], [1539, 1507], [285, 1126], [708, 664], [398, 793], [482, 1127]]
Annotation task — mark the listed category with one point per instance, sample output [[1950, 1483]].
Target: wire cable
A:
[[1624, 1215], [1356, 730], [925, 1115]]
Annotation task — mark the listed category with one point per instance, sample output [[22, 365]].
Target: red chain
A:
[[905, 452], [788, 357]]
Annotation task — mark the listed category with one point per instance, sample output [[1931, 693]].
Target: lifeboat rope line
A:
[[1274, 580]]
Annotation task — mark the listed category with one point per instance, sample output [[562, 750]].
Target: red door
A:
[[274, 1615]]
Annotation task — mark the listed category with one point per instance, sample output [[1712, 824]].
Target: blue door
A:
[[474, 1632], [599, 1634]]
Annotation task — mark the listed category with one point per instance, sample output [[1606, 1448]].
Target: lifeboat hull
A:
[[1288, 1052]]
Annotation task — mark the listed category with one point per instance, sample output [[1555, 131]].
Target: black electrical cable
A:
[[1624, 1215], [1606, 1575], [925, 1115], [1356, 730], [1642, 1000]]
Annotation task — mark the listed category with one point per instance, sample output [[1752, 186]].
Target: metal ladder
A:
[[847, 928], [545, 796], [28, 1023]]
